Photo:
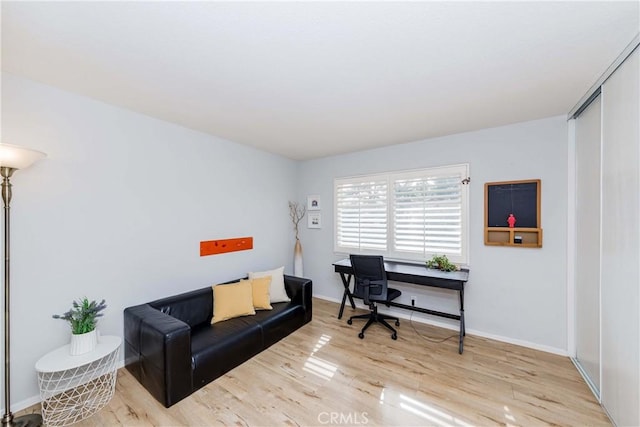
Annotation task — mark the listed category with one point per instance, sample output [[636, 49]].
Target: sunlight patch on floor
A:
[[434, 416], [319, 367], [322, 341], [510, 418]]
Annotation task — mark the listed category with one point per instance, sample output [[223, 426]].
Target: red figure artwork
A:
[[511, 221]]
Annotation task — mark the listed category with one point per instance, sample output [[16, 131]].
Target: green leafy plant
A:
[[83, 315], [441, 263]]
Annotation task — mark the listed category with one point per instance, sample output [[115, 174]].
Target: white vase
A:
[[83, 343], [297, 260]]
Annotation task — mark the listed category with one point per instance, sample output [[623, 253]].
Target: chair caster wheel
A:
[[394, 336], [349, 322], [397, 323], [361, 335]]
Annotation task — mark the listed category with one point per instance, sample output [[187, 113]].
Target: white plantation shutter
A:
[[409, 215], [361, 215], [428, 215]]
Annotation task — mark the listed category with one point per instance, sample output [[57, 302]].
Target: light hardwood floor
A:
[[324, 375]]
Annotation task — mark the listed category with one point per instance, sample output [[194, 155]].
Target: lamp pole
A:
[[12, 158], [6, 198]]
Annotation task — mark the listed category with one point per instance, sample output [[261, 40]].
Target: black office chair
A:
[[371, 285]]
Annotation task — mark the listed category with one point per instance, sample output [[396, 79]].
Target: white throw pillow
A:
[[277, 293]]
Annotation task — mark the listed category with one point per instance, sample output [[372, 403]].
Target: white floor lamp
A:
[[12, 158]]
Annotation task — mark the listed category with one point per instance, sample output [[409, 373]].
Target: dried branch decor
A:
[[296, 212]]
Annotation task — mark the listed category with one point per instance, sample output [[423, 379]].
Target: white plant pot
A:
[[83, 343]]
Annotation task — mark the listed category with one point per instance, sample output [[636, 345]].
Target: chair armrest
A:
[[300, 291], [158, 352]]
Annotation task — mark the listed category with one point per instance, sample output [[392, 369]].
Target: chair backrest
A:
[[370, 277]]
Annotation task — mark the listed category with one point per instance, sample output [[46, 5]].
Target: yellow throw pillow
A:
[[261, 296], [232, 300]]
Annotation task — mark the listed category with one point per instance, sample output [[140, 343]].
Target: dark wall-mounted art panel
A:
[[520, 199]]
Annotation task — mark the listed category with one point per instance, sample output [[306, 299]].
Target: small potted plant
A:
[[441, 262], [82, 318]]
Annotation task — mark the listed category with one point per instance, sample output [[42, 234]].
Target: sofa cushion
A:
[[278, 293], [220, 347], [232, 300], [279, 322]]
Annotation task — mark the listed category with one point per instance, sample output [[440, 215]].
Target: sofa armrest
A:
[[300, 292], [158, 352]]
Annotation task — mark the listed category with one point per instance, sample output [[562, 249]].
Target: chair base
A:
[[375, 317]]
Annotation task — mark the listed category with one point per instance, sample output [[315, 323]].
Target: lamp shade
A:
[[16, 157]]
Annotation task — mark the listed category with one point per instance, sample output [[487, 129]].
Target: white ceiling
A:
[[311, 79]]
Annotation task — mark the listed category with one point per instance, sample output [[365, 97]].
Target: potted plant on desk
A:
[[83, 317], [441, 263]]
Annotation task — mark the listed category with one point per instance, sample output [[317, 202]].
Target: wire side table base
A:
[[71, 395]]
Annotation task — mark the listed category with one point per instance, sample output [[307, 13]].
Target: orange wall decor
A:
[[215, 247]]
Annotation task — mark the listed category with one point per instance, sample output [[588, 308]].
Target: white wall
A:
[[514, 294], [118, 209]]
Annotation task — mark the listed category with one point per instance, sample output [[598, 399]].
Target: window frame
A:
[[391, 177]]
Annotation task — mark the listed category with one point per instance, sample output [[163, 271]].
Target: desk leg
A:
[[463, 331], [347, 293]]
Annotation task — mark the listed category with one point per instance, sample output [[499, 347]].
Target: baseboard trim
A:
[[403, 315]]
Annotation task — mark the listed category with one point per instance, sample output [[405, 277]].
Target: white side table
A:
[[73, 388]]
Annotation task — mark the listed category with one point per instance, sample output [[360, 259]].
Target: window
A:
[[408, 215]]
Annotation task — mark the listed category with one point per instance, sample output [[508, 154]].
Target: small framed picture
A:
[[314, 220], [313, 203]]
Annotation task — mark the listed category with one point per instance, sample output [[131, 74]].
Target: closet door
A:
[[588, 137], [620, 283]]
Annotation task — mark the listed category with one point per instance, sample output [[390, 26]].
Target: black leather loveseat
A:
[[172, 348]]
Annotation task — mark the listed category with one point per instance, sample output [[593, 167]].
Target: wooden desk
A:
[[418, 275]]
